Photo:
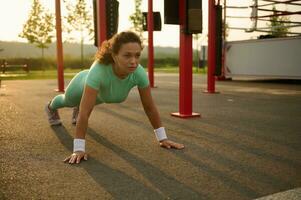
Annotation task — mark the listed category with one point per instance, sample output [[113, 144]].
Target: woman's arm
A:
[[149, 106], [153, 115], [86, 106]]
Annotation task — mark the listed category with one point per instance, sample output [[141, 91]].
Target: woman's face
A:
[[127, 59]]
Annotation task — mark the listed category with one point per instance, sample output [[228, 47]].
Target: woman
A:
[[114, 73]]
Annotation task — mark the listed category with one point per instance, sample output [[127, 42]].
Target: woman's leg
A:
[[71, 98], [58, 102], [72, 95]]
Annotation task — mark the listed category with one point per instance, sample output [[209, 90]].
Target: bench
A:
[[10, 67]]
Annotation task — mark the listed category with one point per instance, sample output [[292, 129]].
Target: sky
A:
[[14, 13]]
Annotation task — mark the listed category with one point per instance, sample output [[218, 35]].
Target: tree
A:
[[196, 43], [226, 27], [80, 20], [38, 29], [277, 24], [137, 19]]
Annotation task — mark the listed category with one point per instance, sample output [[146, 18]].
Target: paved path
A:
[[246, 145]]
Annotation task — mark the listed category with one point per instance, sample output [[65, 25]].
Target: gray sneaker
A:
[[53, 116], [75, 115]]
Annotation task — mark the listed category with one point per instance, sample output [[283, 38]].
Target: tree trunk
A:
[[43, 67]]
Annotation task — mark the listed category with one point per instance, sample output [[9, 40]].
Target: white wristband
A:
[[160, 134], [79, 145]]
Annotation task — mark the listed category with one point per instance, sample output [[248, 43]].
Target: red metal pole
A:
[[102, 25], [185, 98], [59, 47], [150, 28], [211, 47], [222, 77]]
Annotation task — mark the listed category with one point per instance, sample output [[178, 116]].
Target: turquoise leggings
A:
[[73, 93]]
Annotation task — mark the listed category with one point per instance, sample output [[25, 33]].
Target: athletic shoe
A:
[[75, 115], [53, 116]]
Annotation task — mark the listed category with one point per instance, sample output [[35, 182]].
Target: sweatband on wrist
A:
[[160, 134], [79, 145]]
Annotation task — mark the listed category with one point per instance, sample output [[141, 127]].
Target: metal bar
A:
[[150, 27], [292, 26], [59, 47], [102, 21], [280, 14], [240, 28], [261, 30], [225, 21], [237, 28], [270, 10], [290, 2], [238, 7], [211, 47], [287, 22], [185, 76], [222, 76], [242, 17], [275, 1]]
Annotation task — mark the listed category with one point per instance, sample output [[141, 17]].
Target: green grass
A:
[[47, 74], [69, 73], [171, 69]]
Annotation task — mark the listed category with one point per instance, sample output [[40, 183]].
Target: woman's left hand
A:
[[170, 144]]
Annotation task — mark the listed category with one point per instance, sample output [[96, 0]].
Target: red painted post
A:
[[150, 28], [185, 98], [59, 47], [211, 47], [222, 77], [102, 25]]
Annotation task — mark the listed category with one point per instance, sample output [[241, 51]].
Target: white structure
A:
[[264, 58]]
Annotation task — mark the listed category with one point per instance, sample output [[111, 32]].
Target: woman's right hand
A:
[[76, 157]]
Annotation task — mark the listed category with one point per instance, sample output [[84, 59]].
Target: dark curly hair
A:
[[113, 45]]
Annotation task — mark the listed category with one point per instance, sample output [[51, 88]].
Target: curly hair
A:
[[113, 45]]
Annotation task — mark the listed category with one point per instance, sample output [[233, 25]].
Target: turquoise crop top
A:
[[111, 88]]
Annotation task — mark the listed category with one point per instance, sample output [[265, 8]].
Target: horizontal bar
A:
[[236, 28], [290, 2], [265, 31], [292, 26], [238, 17], [238, 7], [279, 14], [287, 22], [258, 30], [270, 10]]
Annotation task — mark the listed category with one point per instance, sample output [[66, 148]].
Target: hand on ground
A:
[[170, 144], [76, 157]]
